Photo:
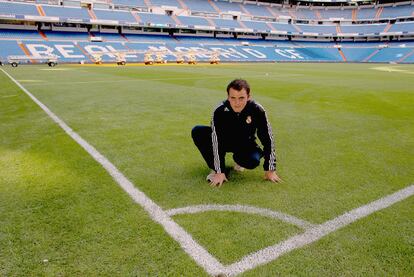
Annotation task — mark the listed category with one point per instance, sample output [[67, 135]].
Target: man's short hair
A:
[[239, 84]]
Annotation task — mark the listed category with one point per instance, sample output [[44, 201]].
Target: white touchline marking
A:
[[271, 253], [210, 264], [8, 96], [189, 245], [243, 209]]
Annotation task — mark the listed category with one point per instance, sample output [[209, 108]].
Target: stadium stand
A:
[[257, 10], [200, 6], [225, 23], [130, 3], [147, 38], [9, 47], [19, 34], [409, 58], [363, 28], [256, 25], [280, 13], [320, 29], [114, 15], [226, 7], [306, 14], [174, 3], [66, 12], [390, 54], [396, 12], [285, 27], [256, 32], [193, 21], [402, 27], [358, 54], [74, 50], [366, 13], [13, 8], [63, 36], [333, 14], [110, 37], [148, 18]]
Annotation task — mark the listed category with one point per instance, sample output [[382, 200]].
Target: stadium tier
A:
[[10, 8], [200, 6], [174, 3], [302, 13], [76, 47], [365, 13], [363, 28], [130, 3], [306, 14], [148, 18], [404, 27], [119, 16], [226, 7], [277, 18], [334, 14], [397, 12], [66, 12], [193, 21]]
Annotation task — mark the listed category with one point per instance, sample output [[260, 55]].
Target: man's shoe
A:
[[238, 168], [210, 176]]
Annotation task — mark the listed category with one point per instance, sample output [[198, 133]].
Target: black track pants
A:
[[248, 157]]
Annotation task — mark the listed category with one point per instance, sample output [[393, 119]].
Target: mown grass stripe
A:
[[188, 244]]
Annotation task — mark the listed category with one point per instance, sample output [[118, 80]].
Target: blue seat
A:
[[114, 15], [225, 23], [399, 11], [199, 6], [66, 12], [402, 27], [257, 10], [18, 8]]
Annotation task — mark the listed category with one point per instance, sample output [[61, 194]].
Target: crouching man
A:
[[234, 126]]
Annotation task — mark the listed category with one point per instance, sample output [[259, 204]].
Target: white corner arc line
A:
[[271, 253], [242, 209], [204, 259]]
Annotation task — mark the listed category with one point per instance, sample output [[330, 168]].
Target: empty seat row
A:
[[221, 7]]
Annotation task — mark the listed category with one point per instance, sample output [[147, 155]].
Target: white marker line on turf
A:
[[271, 253], [8, 96], [242, 209], [190, 246]]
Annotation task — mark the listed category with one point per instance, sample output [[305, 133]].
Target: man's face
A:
[[238, 99]]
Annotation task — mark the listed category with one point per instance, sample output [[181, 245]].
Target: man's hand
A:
[[272, 176], [218, 179]]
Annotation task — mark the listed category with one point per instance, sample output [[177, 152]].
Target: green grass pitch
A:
[[344, 137]]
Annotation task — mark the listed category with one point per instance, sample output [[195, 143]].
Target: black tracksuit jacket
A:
[[233, 132]]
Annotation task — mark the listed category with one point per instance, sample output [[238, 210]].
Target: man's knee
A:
[[200, 133], [195, 131], [252, 163], [249, 161]]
